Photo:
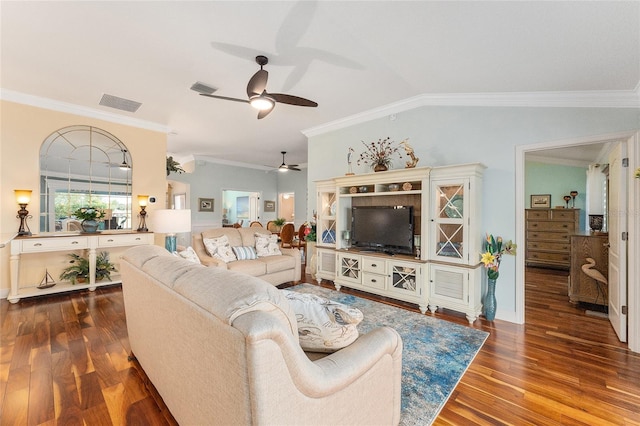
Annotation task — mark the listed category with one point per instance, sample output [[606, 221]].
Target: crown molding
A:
[[36, 101], [580, 99], [214, 160]]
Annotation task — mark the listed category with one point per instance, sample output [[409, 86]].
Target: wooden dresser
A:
[[548, 234], [587, 286]]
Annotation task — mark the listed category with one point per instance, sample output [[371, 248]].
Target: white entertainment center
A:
[[445, 272]]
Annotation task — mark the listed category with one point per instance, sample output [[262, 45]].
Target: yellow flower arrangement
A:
[[493, 251]]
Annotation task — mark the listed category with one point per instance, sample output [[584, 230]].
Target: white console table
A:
[[34, 245]]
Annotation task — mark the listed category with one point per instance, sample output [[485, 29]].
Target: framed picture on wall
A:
[[269, 206], [205, 204], [541, 201]]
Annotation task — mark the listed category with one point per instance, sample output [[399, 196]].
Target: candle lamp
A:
[[23, 196]]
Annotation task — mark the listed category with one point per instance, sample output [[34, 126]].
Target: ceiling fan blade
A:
[[257, 83], [263, 113], [293, 168], [292, 100], [225, 98]]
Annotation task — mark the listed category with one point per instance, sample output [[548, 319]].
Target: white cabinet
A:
[[90, 244], [325, 264], [456, 288], [446, 205], [382, 274]]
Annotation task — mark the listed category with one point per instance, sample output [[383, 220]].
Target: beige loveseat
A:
[[222, 348], [274, 269]]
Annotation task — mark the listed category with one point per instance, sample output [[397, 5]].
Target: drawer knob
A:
[[373, 280], [373, 265], [110, 240], [37, 244], [138, 238], [74, 242]]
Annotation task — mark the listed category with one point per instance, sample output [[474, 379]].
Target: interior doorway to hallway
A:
[[286, 206], [240, 207]]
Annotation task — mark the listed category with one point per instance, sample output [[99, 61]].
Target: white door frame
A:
[[633, 250]]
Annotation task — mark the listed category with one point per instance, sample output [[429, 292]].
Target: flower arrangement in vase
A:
[[89, 217], [379, 154], [494, 249]]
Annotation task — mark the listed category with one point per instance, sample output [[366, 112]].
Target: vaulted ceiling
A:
[[349, 56]]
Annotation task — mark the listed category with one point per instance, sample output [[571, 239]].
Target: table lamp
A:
[[171, 222], [23, 196], [142, 202]]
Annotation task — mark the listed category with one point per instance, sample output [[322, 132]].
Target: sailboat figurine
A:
[[47, 281]]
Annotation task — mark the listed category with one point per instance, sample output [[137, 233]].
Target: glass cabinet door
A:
[[449, 221], [326, 226], [350, 268]]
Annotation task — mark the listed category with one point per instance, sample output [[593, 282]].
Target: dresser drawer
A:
[[538, 214], [54, 244], [546, 245], [559, 258], [549, 226], [373, 280], [564, 214], [376, 266], [548, 236], [123, 240]]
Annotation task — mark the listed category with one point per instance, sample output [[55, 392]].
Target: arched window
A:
[[81, 166]]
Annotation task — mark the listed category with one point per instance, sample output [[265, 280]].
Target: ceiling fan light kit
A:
[[258, 96]]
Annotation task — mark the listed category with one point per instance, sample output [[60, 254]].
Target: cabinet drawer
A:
[[561, 258], [561, 214], [376, 266], [50, 244], [538, 214], [373, 280], [549, 236], [121, 240], [549, 226], [546, 245]]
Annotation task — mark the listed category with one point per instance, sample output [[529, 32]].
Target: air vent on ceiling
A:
[[202, 88], [119, 103]]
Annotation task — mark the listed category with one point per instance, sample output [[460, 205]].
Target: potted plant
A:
[[89, 217], [78, 272], [173, 166], [279, 223], [378, 154]]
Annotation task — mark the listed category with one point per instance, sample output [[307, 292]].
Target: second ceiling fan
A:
[[258, 96]]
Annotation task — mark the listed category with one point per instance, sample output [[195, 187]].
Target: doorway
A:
[[628, 139], [286, 206], [241, 207]]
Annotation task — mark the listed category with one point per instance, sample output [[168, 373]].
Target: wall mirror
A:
[[82, 166]]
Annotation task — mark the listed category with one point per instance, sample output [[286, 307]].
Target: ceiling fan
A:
[[284, 166], [258, 96]]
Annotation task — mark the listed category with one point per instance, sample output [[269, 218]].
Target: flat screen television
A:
[[383, 228]]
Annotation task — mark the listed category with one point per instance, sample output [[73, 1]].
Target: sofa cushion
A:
[[245, 253], [232, 234], [278, 263], [255, 268], [248, 235], [323, 325], [219, 248], [189, 254], [267, 245]]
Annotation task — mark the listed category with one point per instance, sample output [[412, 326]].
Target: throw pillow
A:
[[189, 254], [219, 248], [245, 253], [323, 325], [267, 245]]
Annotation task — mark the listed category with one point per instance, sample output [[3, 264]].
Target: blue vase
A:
[[490, 303], [89, 226]]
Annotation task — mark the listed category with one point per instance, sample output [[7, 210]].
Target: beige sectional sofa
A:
[[222, 348], [274, 269]]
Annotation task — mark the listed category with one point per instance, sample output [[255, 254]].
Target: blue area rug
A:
[[435, 354]]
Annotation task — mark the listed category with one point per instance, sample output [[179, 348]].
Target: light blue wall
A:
[[455, 135], [557, 180], [208, 180]]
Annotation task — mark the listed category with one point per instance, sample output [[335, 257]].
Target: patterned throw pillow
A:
[[245, 253], [267, 245], [189, 254], [219, 248], [323, 325]]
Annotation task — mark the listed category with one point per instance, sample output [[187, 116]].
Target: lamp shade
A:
[[143, 200], [169, 221], [23, 196]]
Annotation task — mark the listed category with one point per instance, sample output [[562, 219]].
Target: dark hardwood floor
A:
[[64, 361]]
